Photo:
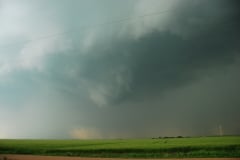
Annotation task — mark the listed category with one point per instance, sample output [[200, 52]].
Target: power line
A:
[[99, 24], [89, 26]]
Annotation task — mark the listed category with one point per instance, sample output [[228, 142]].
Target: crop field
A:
[[227, 146]]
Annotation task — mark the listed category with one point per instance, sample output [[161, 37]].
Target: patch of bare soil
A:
[[31, 157]]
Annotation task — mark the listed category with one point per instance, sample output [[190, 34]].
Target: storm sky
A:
[[119, 69]]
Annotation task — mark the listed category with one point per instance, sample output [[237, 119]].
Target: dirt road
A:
[[30, 157]]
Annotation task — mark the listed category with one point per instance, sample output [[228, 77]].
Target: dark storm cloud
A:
[[154, 76], [163, 60], [199, 40]]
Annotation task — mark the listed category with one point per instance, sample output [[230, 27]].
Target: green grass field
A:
[[227, 146]]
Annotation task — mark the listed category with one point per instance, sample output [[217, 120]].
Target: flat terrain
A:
[[198, 147], [30, 157]]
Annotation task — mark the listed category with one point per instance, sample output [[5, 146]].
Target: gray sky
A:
[[119, 69]]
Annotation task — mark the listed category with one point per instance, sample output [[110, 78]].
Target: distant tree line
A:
[[166, 137]]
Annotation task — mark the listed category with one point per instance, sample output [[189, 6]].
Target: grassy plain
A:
[[227, 146]]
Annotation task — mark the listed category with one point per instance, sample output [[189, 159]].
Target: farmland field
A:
[[227, 146]]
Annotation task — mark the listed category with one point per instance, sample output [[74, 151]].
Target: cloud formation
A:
[[171, 72]]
